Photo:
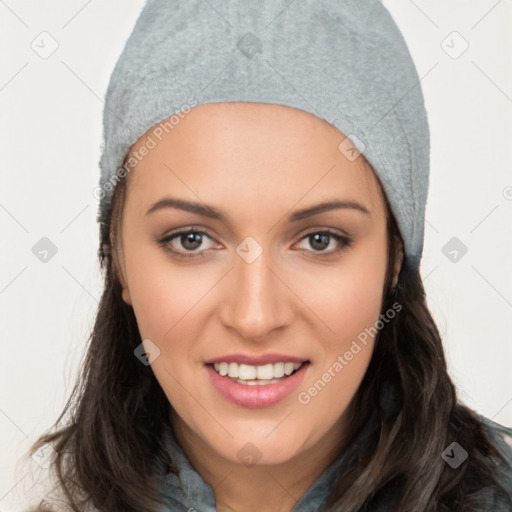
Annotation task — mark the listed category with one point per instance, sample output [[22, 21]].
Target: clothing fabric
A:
[[188, 492], [344, 61]]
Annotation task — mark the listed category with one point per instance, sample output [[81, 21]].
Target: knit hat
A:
[[344, 61]]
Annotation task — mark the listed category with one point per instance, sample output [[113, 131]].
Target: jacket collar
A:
[[190, 492]]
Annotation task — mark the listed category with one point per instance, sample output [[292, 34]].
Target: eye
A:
[[320, 241], [190, 243], [183, 242]]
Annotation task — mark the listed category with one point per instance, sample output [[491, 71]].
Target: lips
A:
[[256, 360], [256, 381]]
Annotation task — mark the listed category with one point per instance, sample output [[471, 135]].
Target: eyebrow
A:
[[214, 213]]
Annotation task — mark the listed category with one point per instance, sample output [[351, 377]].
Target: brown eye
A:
[[319, 241], [191, 241], [187, 243]]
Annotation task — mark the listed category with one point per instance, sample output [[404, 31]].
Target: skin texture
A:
[[258, 164]]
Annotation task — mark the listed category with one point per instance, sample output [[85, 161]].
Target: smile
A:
[[256, 375], [256, 386]]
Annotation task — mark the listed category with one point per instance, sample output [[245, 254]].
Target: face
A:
[[232, 265]]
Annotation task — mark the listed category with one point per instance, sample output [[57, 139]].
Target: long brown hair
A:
[[109, 438]]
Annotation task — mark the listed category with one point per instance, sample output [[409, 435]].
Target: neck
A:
[[258, 488]]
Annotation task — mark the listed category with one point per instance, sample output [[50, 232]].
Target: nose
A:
[[258, 302]]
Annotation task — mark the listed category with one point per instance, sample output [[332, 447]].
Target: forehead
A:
[[254, 151]]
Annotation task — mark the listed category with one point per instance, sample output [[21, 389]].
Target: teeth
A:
[[246, 372], [288, 368], [266, 372], [222, 368], [233, 370]]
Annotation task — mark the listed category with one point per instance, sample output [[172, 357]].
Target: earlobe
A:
[[396, 271], [125, 294]]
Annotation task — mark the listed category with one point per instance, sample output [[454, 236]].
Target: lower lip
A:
[[256, 396]]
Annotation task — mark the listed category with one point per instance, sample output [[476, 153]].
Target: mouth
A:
[[260, 375], [263, 384]]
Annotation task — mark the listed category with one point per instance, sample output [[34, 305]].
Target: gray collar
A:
[[190, 492]]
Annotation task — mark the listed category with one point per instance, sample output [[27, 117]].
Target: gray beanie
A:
[[344, 61]]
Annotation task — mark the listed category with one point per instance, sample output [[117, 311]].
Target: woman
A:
[[263, 341]]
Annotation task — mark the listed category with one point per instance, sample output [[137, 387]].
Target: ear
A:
[[119, 272], [397, 266], [125, 293]]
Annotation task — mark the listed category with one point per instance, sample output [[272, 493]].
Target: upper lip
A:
[[256, 360]]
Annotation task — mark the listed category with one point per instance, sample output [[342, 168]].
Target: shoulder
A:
[[501, 438]]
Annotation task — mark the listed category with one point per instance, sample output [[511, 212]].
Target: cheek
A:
[[171, 305], [163, 295], [349, 299], [350, 305]]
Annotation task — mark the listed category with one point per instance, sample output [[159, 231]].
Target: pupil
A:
[[191, 240], [322, 239]]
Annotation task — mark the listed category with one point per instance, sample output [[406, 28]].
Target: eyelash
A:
[[343, 241]]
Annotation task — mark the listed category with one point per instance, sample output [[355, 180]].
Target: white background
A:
[[51, 135]]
